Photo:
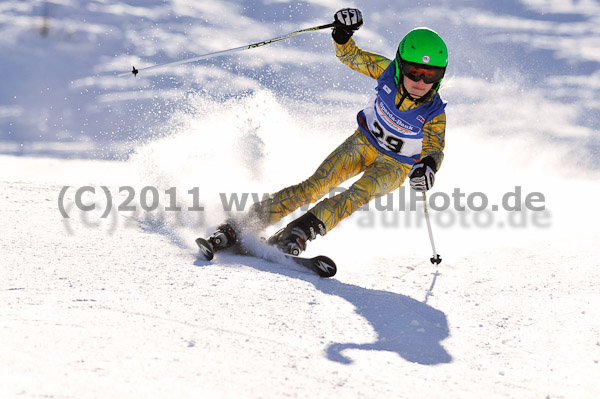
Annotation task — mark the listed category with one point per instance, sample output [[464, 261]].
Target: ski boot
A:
[[293, 238], [224, 237]]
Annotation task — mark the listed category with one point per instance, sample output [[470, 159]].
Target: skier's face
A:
[[417, 89]]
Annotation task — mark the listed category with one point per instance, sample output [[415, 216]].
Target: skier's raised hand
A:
[[346, 20]]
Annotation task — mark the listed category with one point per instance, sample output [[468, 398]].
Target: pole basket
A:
[[436, 260]]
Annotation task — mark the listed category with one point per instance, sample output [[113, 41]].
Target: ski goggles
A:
[[416, 72]]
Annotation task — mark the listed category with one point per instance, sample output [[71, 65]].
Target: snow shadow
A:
[[406, 326], [412, 329]]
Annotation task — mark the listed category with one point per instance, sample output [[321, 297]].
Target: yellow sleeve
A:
[[370, 64], [434, 133]]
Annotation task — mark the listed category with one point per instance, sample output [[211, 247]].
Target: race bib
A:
[[392, 132]]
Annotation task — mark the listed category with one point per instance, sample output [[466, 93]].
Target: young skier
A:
[[400, 134]]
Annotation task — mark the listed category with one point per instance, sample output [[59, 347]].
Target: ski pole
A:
[[435, 259], [135, 71]]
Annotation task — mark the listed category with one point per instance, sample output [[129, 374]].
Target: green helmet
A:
[[425, 47]]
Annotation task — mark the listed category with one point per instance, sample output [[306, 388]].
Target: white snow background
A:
[[121, 306]]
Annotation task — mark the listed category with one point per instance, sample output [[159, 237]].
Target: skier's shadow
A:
[[412, 329]]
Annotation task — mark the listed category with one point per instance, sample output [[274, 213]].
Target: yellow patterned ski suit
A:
[[381, 173]]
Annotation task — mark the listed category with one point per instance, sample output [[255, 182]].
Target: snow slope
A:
[[121, 306]]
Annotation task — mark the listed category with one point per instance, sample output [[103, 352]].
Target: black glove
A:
[[422, 175], [346, 20]]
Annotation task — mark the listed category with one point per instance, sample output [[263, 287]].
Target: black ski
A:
[[206, 248], [322, 265]]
